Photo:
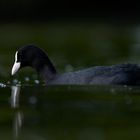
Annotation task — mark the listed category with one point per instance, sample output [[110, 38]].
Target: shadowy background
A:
[[75, 34]]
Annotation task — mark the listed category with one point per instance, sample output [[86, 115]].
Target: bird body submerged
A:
[[122, 74]]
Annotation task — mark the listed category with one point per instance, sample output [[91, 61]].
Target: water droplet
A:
[[8, 82], [27, 79], [2, 85], [125, 86], [36, 81], [15, 81]]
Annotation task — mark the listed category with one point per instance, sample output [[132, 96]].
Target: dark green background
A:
[[75, 35]]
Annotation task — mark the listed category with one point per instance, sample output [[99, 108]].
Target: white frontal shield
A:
[[15, 68], [16, 65]]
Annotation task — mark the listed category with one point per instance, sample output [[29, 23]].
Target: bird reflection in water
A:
[[18, 117], [15, 96]]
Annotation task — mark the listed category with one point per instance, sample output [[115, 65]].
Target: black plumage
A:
[[121, 74]]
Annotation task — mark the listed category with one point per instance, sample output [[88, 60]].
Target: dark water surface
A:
[[35, 112], [69, 112]]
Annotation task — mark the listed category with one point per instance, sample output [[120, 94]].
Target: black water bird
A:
[[33, 56]]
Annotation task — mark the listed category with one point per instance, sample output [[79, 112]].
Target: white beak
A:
[[16, 65], [15, 68]]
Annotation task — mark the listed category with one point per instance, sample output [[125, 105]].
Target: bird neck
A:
[[44, 68], [47, 73]]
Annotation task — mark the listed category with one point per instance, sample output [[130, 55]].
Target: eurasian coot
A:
[[33, 56]]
